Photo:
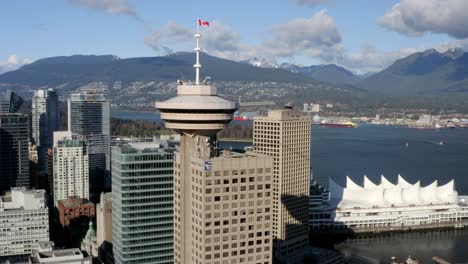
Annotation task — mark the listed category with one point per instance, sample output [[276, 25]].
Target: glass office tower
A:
[[142, 203]]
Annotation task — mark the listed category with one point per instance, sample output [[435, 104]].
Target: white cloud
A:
[[13, 63], [121, 7], [317, 36], [171, 33], [458, 43], [219, 40], [415, 17]]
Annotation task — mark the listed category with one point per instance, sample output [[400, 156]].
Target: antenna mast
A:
[[197, 49]]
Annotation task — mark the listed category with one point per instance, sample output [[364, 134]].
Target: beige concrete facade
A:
[[222, 205], [104, 219], [285, 135]]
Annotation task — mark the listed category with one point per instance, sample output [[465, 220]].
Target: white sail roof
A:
[[368, 184], [387, 194], [385, 183], [351, 185]]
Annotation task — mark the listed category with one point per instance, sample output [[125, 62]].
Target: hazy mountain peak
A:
[[453, 53], [260, 62]]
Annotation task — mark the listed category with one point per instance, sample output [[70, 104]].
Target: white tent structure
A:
[[387, 194], [388, 206]]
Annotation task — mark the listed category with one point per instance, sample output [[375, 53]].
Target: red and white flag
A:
[[203, 23]]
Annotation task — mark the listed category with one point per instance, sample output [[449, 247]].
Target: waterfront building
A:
[[389, 207], [315, 108], [25, 221], [142, 203], [76, 208], [89, 118], [14, 151], [285, 135], [45, 119], [70, 169], [63, 256], [222, 200]]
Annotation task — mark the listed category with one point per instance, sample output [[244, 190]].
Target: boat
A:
[[341, 125], [239, 117]]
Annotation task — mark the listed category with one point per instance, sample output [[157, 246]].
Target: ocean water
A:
[[371, 150]]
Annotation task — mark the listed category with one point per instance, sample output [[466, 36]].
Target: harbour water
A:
[[424, 155]]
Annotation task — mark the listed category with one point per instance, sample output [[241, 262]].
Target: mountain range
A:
[[422, 74], [73, 71], [428, 73], [330, 73]]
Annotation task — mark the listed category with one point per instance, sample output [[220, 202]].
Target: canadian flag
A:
[[203, 23]]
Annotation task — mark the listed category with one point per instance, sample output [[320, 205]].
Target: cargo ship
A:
[[340, 125]]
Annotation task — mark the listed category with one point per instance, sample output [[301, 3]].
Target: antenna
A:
[[197, 49]]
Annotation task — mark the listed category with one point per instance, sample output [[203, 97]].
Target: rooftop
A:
[[75, 201], [58, 256]]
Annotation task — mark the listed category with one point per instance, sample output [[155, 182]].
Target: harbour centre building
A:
[[222, 199]]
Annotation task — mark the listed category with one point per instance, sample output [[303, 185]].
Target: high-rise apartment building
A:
[[222, 201], [70, 169], [285, 135], [14, 151], [25, 221], [89, 117], [142, 203], [45, 120]]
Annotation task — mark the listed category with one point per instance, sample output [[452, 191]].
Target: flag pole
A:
[[197, 65]]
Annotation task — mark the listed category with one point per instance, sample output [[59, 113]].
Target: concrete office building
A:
[[222, 201], [45, 120], [285, 135], [104, 228], [142, 203], [14, 151], [70, 169], [25, 221], [89, 118]]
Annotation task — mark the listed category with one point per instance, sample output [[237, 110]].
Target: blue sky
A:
[[362, 35]]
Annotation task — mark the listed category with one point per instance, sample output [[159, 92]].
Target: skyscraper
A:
[[45, 120], [71, 169], [142, 203], [88, 117], [222, 201], [10, 102], [14, 158], [285, 135], [45, 116]]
